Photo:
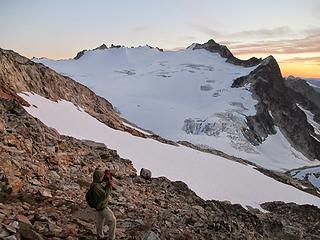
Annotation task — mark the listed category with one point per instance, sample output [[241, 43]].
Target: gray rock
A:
[[4, 233], [150, 236], [145, 173], [12, 237], [27, 232], [224, 52]]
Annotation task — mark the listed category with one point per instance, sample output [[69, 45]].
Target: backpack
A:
[[91, 198]]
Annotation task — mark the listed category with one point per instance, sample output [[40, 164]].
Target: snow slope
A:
[[210, 176], [180, 95]]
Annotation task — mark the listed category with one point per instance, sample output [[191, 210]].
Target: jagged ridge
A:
[[224, 52], [278, 106]]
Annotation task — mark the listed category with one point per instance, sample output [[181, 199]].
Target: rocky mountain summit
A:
[[224, 52], [278, 101], [44, 177]]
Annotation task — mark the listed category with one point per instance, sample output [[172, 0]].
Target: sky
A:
[[287, 29]]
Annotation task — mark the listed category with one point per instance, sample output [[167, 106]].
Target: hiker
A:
[[102, 193]]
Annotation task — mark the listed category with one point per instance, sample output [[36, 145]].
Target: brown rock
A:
[[15, 183], [26, 231], [12, 141], [23, 219]]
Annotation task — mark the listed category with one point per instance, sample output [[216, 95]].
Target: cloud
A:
[[307, 44], [209, 31], [264, 33], [282, 31], [314, 60], [279, 40]]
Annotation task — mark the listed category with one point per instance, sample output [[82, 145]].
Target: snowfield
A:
[[180, 95], [210, 176]]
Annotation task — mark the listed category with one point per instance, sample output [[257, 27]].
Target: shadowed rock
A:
[[224, 52]]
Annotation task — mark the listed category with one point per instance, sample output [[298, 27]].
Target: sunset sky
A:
[[286, 29]]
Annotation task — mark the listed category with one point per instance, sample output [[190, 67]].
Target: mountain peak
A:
[[102, 47], [80, 54], [223, 51]]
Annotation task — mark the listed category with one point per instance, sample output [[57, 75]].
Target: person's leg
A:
[[111, 221], [101, 216]]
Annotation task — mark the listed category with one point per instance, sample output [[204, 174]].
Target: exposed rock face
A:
[[115, 46], [305, 95], [278, 107], [79, 54], [224, 52], [102, 47]]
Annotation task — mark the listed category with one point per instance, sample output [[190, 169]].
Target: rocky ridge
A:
[[224, 52], [305, 95], [104, 46], [277, 107], [44, 177]]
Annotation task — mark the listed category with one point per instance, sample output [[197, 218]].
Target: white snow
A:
[[311, 174], [138, 129], [180, 95], [210, 176]]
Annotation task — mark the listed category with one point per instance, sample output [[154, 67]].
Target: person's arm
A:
[[100, 192]]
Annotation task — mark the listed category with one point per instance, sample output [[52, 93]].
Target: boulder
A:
[[145, 173]]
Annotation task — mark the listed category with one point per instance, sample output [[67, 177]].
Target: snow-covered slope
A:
[[180, 95], [210, 176]]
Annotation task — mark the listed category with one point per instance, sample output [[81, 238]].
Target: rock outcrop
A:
[[224, 52], [47, 176], [277, 106], [304, 94], [80, 54], [102, 47]]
